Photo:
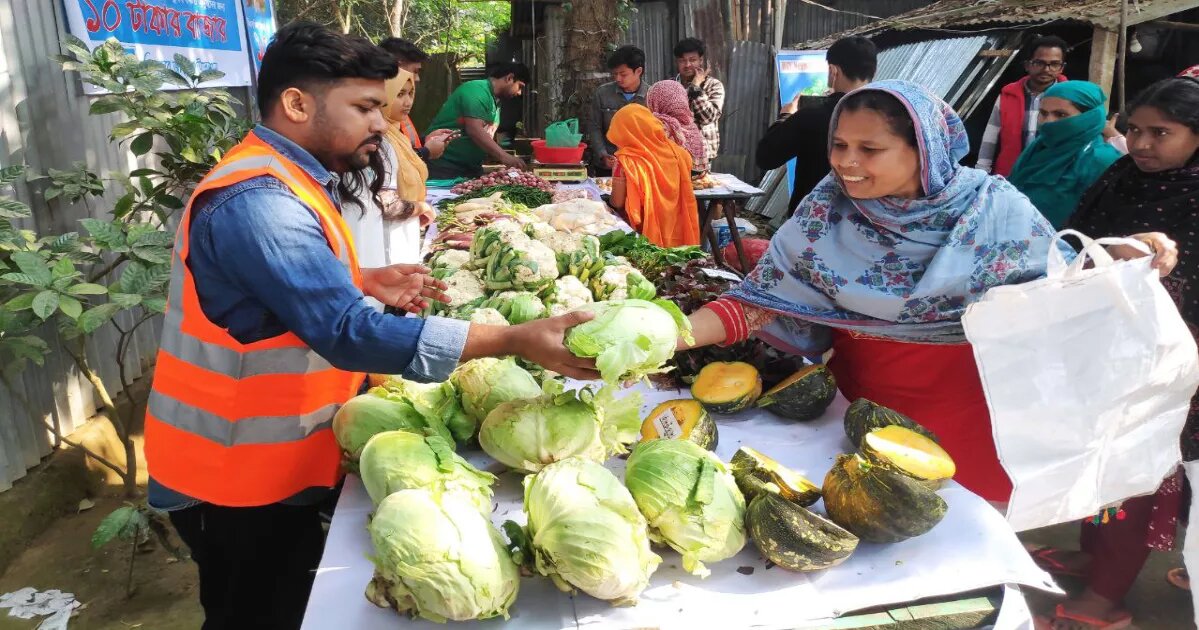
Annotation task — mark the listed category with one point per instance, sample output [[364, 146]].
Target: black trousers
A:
[[256, 564]]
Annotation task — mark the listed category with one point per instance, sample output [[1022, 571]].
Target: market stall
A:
[[512, 249], [973, 547]]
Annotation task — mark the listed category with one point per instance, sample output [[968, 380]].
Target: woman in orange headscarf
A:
[[651, 183]]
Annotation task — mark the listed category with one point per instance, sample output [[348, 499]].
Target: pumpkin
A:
[[681, 419], [756, 473], [907, 452], [794, 537], [802, 396], [727, 386], [879, 505], [864, 416]]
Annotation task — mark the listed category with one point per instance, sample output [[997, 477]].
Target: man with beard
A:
[[267, 333], [1013, 122]]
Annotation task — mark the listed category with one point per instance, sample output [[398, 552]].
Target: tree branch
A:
[[109, 268]]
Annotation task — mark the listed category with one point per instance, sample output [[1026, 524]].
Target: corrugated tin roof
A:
[[960, 13], [806, 21]]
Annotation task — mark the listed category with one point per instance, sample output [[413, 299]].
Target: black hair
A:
[[1176, 97], [630, 56], [886, 105], [857, 57], [1047, 41], [504, 68], [310, 56], [404, 50], [690, 45], [371, 179]]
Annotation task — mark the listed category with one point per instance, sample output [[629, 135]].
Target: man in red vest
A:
[[267, 332], [1013, 122]]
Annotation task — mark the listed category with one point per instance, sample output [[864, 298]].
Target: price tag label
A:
[[721, 274], [668, 426]]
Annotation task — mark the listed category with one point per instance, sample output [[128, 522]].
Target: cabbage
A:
[[690, 500], [485, 383], [375, 412], [629, 338], [528, 434], [398, 460], [438, 558], [585, 532], [438, 402]]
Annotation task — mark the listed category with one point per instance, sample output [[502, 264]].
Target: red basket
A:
[[558, 155]]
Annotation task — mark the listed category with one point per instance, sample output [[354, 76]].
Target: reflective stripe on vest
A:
[[245, 424]]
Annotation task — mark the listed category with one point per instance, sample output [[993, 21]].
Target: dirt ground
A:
[[62, 557]]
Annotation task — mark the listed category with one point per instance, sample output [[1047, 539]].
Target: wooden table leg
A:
[[730, 215], [713, 208]]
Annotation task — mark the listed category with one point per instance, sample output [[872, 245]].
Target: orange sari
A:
[[660, 202]]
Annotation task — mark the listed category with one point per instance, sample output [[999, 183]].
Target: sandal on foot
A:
[[1122, 620]]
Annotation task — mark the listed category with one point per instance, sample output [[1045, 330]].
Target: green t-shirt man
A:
[[472, 99]]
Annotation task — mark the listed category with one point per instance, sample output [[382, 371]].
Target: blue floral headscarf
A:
[[903, 269]]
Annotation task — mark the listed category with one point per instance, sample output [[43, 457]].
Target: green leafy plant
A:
[[133, 524]]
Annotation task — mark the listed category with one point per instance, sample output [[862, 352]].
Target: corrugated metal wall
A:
[[749, 92], [44, 123], [805, 22], [653, 30]]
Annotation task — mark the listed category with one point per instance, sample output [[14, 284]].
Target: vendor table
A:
[[729, 197], [972, 549]]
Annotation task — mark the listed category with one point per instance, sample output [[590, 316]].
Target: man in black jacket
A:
[[802, 129]]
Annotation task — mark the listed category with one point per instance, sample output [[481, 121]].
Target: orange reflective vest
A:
[[245, 424]]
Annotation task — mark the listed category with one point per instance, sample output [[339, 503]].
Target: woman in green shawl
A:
[[1069, 153]]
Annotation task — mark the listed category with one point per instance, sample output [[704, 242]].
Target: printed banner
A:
[[260, 28], [208, 32], [800, 72]]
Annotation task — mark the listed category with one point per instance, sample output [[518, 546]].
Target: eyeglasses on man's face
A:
[[1038, 64]]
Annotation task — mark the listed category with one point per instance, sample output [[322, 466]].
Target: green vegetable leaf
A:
[[97, 316], [33, 266], [21, 302], [45, 303], [69, 306]]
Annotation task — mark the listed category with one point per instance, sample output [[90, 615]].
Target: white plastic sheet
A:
[[1089, 375], [972, 548]]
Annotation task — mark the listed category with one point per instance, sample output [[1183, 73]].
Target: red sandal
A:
[[1123, 620]]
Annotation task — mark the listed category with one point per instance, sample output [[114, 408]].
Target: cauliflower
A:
[[488, 316], [620, 281], [541, 231], [568, 294], [450, 259], [464, 287]]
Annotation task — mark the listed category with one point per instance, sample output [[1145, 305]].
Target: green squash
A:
[[879, 505], [756, 473], [794, 537], [681, 419], [910, 453], [864, 416], [727, 386], [803, 395]]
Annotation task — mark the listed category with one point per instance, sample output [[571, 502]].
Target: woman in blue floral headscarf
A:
[[881, 260]]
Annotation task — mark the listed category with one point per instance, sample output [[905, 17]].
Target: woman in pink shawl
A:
[[668, 102]]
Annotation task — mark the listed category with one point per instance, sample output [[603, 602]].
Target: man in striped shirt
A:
[[1013, 122], [705, 93]]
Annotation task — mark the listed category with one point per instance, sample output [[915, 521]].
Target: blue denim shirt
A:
[[259, 283]]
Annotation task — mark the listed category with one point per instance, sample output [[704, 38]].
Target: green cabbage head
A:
[[483, 384], [629, 338], [585, 532], [690, 500], [435, 401], [528, 434], [438, 558], [398, 460], [375, 412]]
